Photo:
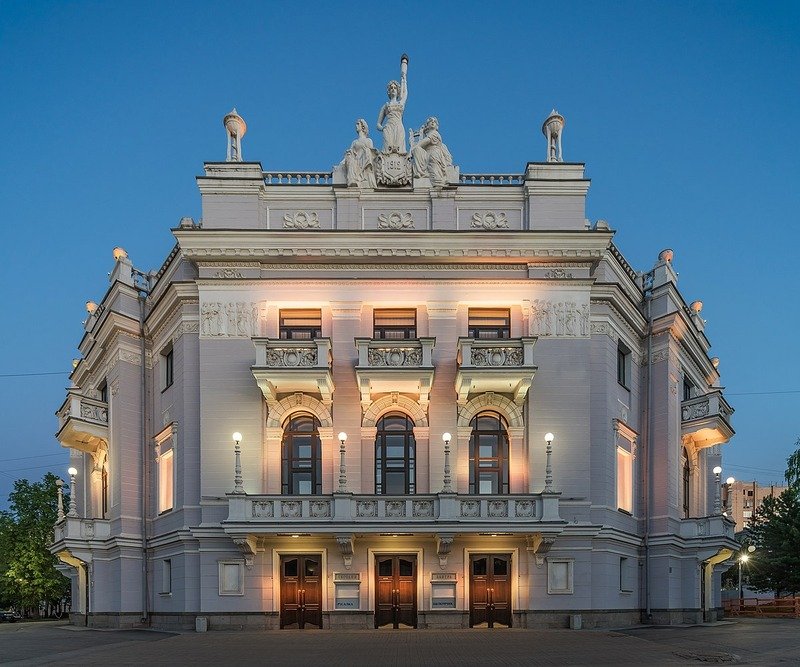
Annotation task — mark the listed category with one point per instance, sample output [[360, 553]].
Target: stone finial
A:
[[666, 255], [715, 362], [696, 306], [552, 128], [236, 128]]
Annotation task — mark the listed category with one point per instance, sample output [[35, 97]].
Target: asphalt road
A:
[[745, 641]]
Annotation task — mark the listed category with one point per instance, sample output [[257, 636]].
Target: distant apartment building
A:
[[744, 498]]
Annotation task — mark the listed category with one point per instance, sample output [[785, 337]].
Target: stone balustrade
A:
[[75, 528], [501, 365], [414, 353], [82, 422], [492, 179], [287, 513], [495, 352], [298, 178], [707, 526]]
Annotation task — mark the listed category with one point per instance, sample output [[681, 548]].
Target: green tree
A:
[[775, 530], [28, 576]]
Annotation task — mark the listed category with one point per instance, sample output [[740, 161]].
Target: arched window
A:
[[301, 456], [395, 455], [686, 485], [104, 490], [488, 454]]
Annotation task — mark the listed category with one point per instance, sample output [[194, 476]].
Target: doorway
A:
[[490, 591], [301, 591], [396, 592]]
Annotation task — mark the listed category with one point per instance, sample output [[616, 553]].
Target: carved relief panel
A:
[[491, 219]]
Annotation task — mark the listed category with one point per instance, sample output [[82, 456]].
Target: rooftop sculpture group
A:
[[427, 162]]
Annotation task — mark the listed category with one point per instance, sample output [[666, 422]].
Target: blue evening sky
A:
[[687, 115]]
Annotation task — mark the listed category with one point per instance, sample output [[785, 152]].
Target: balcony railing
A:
[[706, 420], [82, 422], [499, 365], [286, 366], [74, 528], [707, 526], [379, 513]]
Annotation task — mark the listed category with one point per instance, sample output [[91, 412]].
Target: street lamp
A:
[[73, 501], [548, 469], [717, 504], [743, 558], [729, 497], [447, 488], [342, 468], [238, 482]]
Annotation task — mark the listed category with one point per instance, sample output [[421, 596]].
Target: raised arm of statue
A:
[[381, 116], [403, 82]]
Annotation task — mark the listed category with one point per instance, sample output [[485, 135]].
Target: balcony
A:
[[290, 366], [270, 514], [705, 420], [82, 422], [706, 527], [75, 528], [503, 366], [403, 366]]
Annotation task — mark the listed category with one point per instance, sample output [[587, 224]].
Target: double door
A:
[[301, 591], [490, 591], [396, 592]]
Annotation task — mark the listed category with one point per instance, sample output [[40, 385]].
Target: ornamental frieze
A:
[[292, 357], [394, 356], [496, 356], [559, 318], [234, 319]]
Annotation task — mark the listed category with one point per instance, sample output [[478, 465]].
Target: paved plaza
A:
[[756, 642]]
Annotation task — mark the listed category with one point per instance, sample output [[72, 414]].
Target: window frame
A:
[[627, 492], [164, 457], [292, 332], [166, 576], [475, 329], [501, 469], [686, 484], [289, 468], [408, 332], [569, 589], [623, 366], [409, 457], [221, 564], [168, 374]]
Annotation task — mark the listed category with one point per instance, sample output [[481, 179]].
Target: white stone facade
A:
[[622, 533]]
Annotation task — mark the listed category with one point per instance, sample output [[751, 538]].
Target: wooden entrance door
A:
[[301, 591], [395, 592], [490, 591]]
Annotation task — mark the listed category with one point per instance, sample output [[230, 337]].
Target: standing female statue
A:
[[390, 117]]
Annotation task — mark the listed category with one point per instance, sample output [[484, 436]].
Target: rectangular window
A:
[[559, 576], [625, 575], [624, 480], [395, 323], [166, 576], [489, 323], [165, 482], [688, 389], [167, 361], [103, 391], [300, 324], [623, 366], [231, 574]]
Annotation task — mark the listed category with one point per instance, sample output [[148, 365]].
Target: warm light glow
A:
[[744, 558], [624, 480], [295, 536], [730, 480], [237, 437], [342, 436], [72, 472], [119, 253], [91, 306], [549, 437], [446, 437], [717, 470], [166, 481]]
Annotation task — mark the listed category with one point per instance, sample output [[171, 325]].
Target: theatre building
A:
[[394, 395]]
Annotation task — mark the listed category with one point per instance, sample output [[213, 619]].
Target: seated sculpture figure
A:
[[358, 159], [431, 157]]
